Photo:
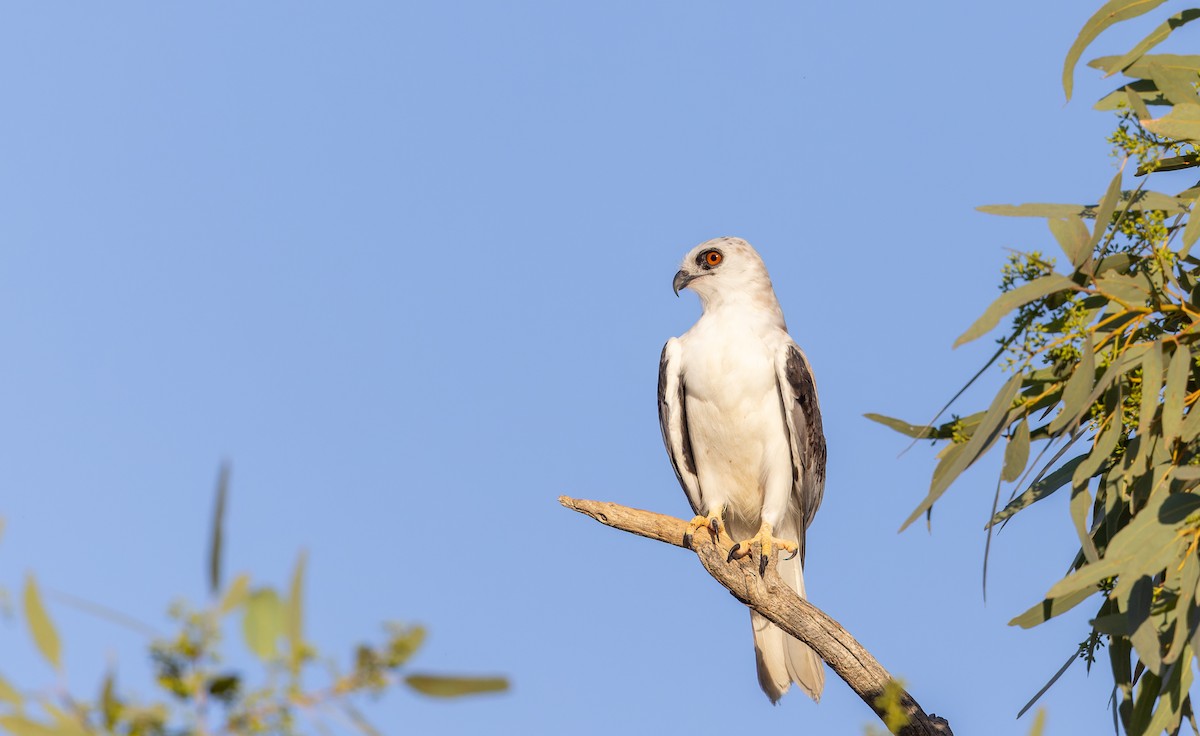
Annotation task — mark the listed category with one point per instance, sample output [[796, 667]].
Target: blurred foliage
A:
[[292, 688], [1104, 365]]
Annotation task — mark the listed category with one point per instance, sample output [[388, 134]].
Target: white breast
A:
[[735, 423]]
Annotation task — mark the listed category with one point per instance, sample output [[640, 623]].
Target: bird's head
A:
[[723, 269]]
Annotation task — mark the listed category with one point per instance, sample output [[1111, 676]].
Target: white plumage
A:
[[740, 419]]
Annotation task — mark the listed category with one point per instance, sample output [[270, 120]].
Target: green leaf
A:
[[1191, 231], [110, 705], [1102, 448], [22, 726], [902, 427], [262, 623], [294, 624], [1077, 390], [1141, 69], [1152, 377], [1181, 123], [1137, 95], [218, 523], [1104, 210], [1081, 503], [1072, 236], [1148, 689], [45, 636], [453, 687], [1178, 680], [239, 589], [1154, 38], [403, 643], [1177, 508], [1112, 12], [1176, 84], [1178, 373], [1016, 453], [1011, 300], [1051, 607], [1043, 488], [962, 456], [1125, 288], [1039, 723], [10, 695], [1142, 632], [1084, 579], [1036, 209], [1187, 612]]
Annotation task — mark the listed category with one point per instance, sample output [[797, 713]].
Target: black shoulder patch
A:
[[799, 375]]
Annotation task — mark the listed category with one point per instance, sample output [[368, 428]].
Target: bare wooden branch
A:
[[770, 596]]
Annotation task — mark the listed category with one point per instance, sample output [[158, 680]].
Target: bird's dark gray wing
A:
[[672, 418], [802, 414]]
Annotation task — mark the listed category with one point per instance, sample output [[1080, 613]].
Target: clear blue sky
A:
[[408, 266]]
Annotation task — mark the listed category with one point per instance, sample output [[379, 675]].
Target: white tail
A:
[[782, 659]]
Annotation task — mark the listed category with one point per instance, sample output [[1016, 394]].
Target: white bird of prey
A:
[[739, 416]]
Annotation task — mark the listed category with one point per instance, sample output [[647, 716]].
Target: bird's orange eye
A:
[[713, 257]]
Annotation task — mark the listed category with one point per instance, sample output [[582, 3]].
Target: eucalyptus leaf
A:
[[1181, 123], [294, 618], [262, 623], [981, 441], [1077, 390], [1151, 40], [1111, 12], [912, 430], [452, 687], [1178, 372], [45, 636], [1010, 300], [1039, 490], [1016, 452], [1072, 236]]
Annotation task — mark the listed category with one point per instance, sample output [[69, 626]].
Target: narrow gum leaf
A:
[[901, 426], [1152, 377], [1111, 12], [1155, 37], [1173, 396], [1191, 231], [1016, 453], [453, 687], [1175, 84], [1072, 236], [962, 456], [295, 614], [1011, 300], [1104, 211], [218, 527], [236, 595], [1078, 388], [45, 636], [262, 623], [1035, 209], [1081, 503], [1182, 123]]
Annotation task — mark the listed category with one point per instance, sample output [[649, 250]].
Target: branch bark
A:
[[770, 596]]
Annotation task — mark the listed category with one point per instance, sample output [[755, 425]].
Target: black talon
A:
[[687, 540], [716, 525], [762, 564], [733, 551], [792, 556]]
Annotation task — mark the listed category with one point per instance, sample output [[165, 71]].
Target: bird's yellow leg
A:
[[712, 523], [766, 542]]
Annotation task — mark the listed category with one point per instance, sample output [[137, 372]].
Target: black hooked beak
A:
[[682, 279]]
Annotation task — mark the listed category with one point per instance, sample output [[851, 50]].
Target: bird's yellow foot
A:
[[766, 542], [711, 523]]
